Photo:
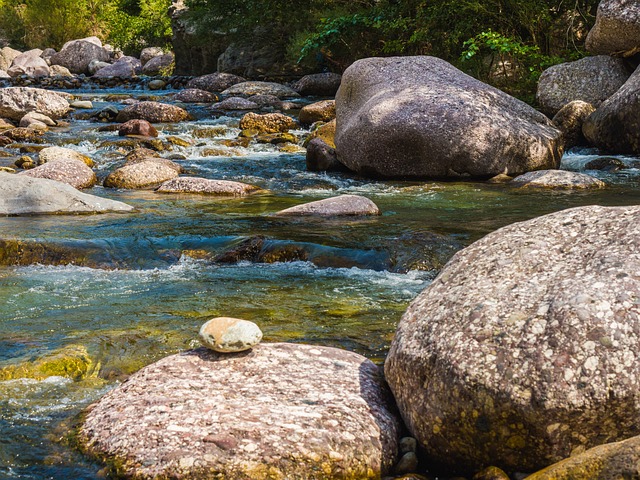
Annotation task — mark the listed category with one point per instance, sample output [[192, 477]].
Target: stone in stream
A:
[[267, 123], [278, 411], [524, 348], [7, 54], [195, 95], [148, 173], [326, 133], [215, 82], [154, 112], [76, 55], [29, 63], [420, 117], [53, 154], [124, 67], [607, 164], [229, 335], [617, 28], [558, 179], [590, 79], [260, 88], [235, 103], [16, 102], [570, 119], [36, 117], [206, 187], [614, 125], [343, 205], [137, 127], [70, 171], [82, 104], [319, 84], [22, 195], [160, 65], [320, 157], [324, 111]]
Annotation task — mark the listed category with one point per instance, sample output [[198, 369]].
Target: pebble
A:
[[227, 335], [86, 104]]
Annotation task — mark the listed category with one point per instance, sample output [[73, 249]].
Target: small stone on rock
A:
[[224, 334]]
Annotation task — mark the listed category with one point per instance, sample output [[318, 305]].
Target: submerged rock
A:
[[154, 112], [560, 179], [420, 117], [334, 206], [617, 28], [523, 349], [22, 195], [607, 164], [279, 411], [16, 102], [71, 362], [206, 187], [229, 335]]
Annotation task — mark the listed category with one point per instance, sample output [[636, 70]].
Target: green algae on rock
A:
[[72, 361]]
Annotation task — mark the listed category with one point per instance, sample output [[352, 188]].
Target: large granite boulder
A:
[[7, 55], [124, 67], [160, 65], [76, 55], [570, 120], [29, 63], [260, 88], [148, 173], [278, 411], [614, 125], [22, 195], [16, 102], [215, 82], [617, 28], [420, 117], [154, 112], [70, 171], [524, 348], [591, 79], [320, 84]]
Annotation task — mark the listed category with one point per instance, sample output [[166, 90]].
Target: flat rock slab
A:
[[343, 205], [206, 187], [21, 195], [279, 411], [557, 179]]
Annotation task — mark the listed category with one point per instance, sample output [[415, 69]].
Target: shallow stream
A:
[[148, 282]]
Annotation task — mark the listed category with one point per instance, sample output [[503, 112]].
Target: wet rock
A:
[[613, 126], [607, 164], [150, 52], [326, 133], [277, 138], [145, 174], [16, 102], [72, 361], [235, 103], [617, 28], [154, 112], [134, 159], [267, 123], [611, 461], [59, 71], [82, 104], [206, 186], [320, 157], [491, 473], [139, 154], [408, 444], [22, 195], [70, 171], [260, 88], [560, 179], [25, 162], [22, 134], [215, 82], [124, 67], [156, 84], [78, 54], [137, 127], [266, 101], [420, 117], [54, 154], [229, 335], [318, 84], [160, 65], [522, 381], [591, 79], [246, 250], [570, 119], [5, 125], [195, 95], [280, 411], [424, 251], [324, 111], [180, 142], [334, 206]]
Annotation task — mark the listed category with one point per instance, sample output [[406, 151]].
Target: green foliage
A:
[[133, 29]]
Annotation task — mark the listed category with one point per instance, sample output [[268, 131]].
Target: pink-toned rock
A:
[[195, 95], [342, 205], [154, 112], [137, 127], [279, 411], [206, 187], [70, 171], [148, 173]]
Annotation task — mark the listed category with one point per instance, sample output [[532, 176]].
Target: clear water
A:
[[141, 298]]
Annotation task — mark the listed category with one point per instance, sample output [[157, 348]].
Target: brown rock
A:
[[137, 127], [72, 172], [334, 206], [53, 154], [321, 157], [282, 410], [206, 187], [145, 174], [154, 112], [267, 123], [324, 111], [570, 119], [326, 133]]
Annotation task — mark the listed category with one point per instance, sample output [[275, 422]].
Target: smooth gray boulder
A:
[[150, 52], [617, 28], [614, 125], [524, 349], [319, 84], [343, 205], [281, 411], [206, 186], [160, 65], [76, 55], [124, 67], [557, 179], [420, 117], [16, 102], [591, 79], [29, 63], [194, 95], [22, 195]]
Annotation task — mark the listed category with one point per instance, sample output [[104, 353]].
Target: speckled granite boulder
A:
[[194, 95], [235, 103], [78, 54], [557, 179], [324, 111], [279, 411], [614, 125], [215, 82], [147, 173], [334, 206], [230, 335], [137, 127], [524, 348], [154, 112], [420, 117], [70, 171], [261, 88], [570, 119], [22, 195], [206, 187], [267, 123], [16, 102], [320, 84], [590, 79], [612, 461], [617, 28], [52, 154]]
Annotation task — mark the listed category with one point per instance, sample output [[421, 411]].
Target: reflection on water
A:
[[139, 297]]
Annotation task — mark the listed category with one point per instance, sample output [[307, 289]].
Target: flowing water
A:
[[147, 281]]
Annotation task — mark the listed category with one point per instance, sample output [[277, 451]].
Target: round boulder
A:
[[229, 335], [123, 68], [76, 55], [420, 117], [145, 174], [160, 65], [70, 171], [524, 348], [53, 154], [150, 52], [16, 102], [591, 79], [319, 84], [267, 123], [215, 82], [278, 411], [206, 186], [343, 205], [324, 111], [137, 127], [570, 119], [260, 88], [154, 112], [617, 28], [560, 179], [235, 103], [195, 95]]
